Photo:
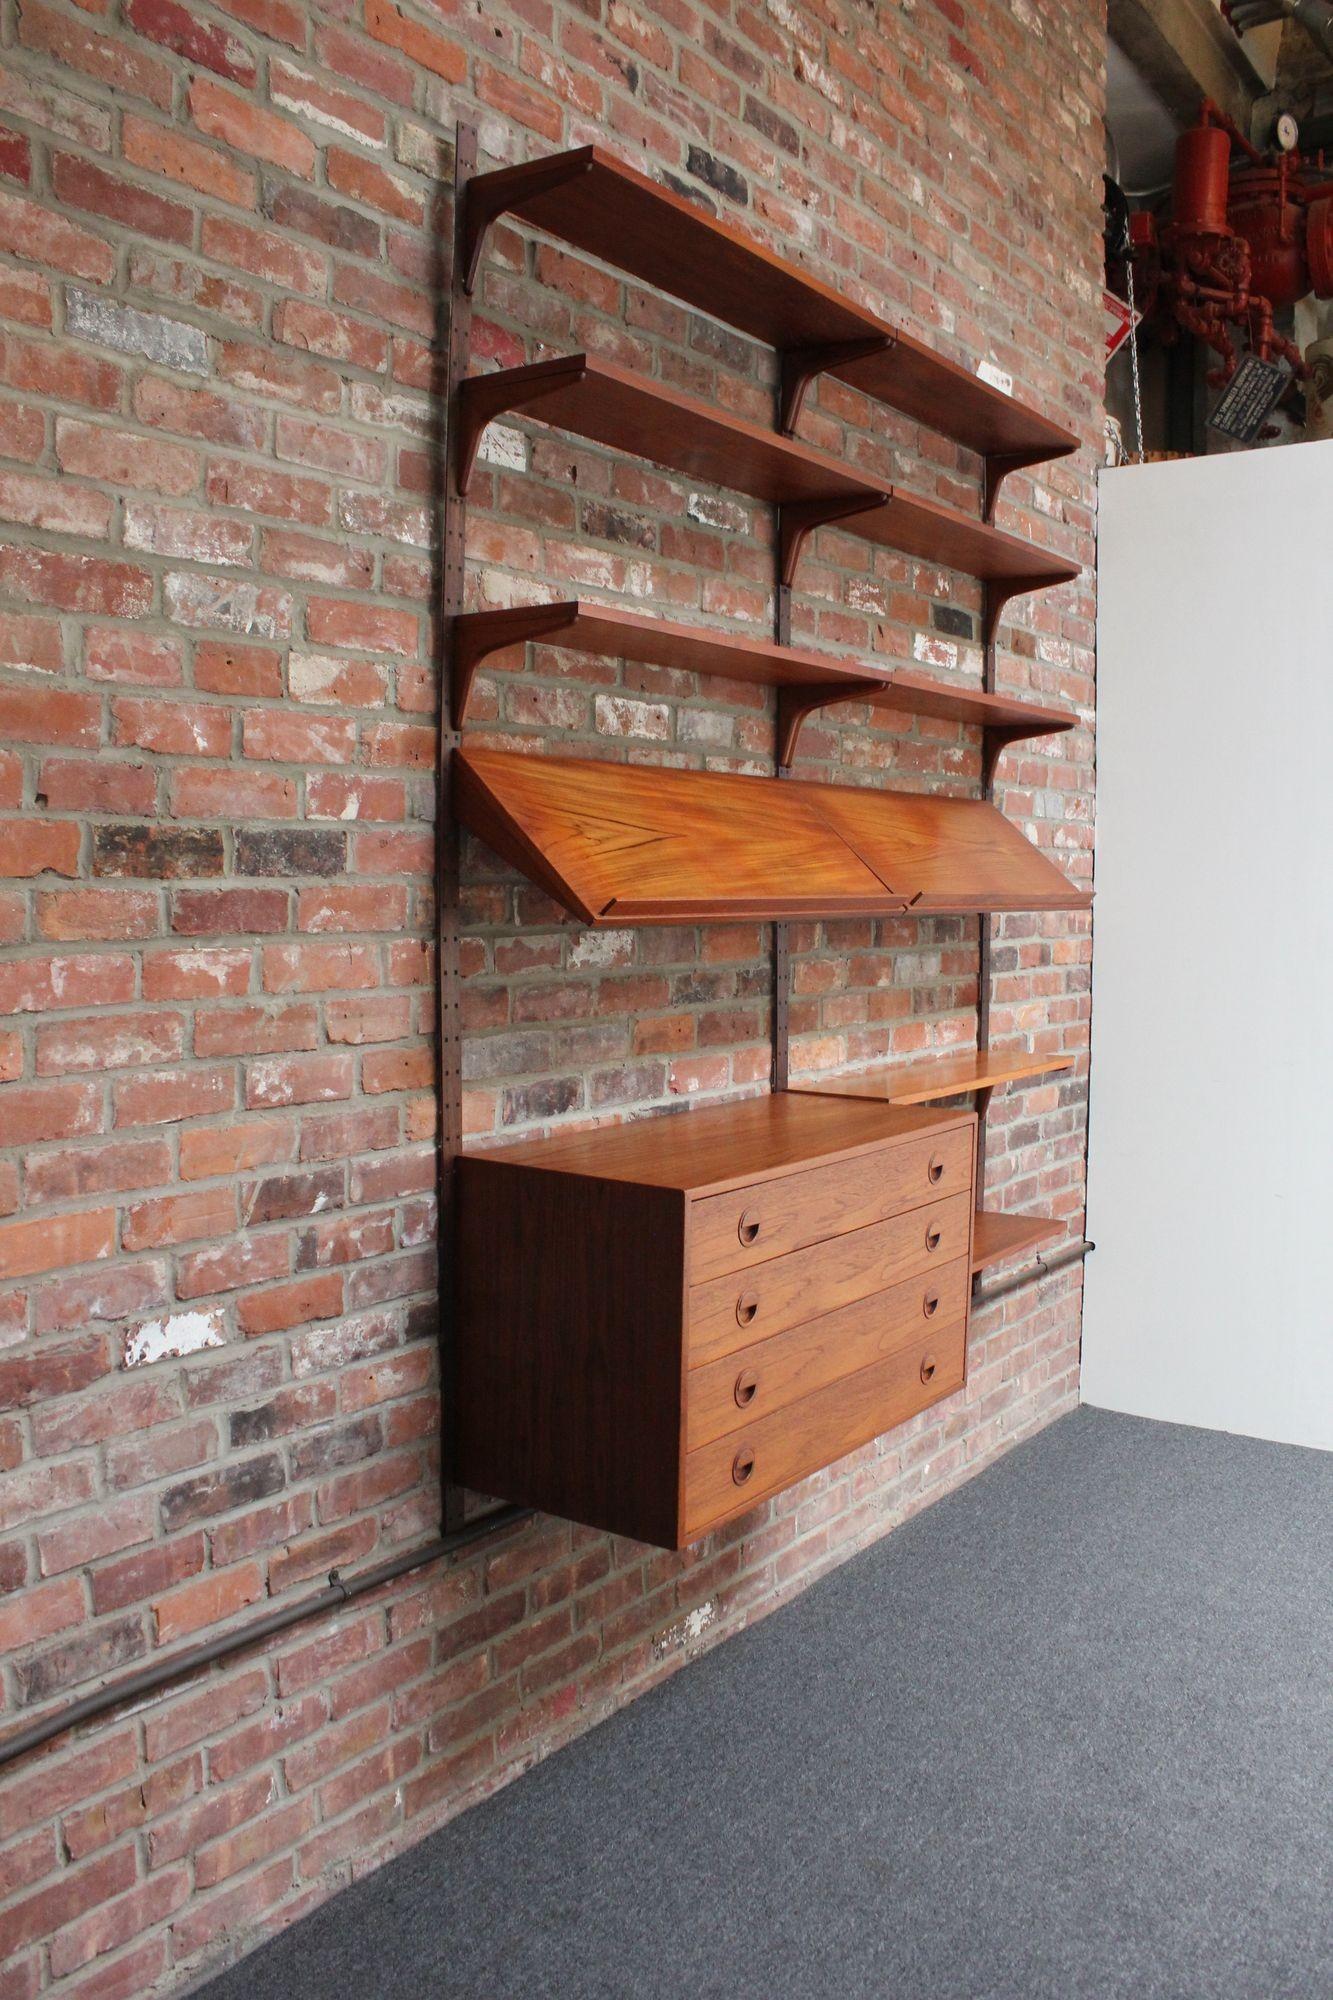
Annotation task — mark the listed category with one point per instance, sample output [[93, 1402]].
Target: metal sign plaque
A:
[[1248, 398]]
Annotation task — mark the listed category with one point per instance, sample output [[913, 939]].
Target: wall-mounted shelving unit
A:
[[598, 204], [777, 1210]]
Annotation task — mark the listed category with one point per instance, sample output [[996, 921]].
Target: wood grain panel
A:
[[708, 1149], [626, 843], [735, 1391], [939, 1076], [569, 1351], [729, 1475], [727, 1313], [750, 1225], [958, 854]]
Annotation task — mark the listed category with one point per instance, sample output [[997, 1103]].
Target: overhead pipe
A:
[[339, 1591]]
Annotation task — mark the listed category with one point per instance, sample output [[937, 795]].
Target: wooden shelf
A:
[[593, 201], [808, 680], [635, 844], [997, 1237], [955, 855], [938, 1076], [607, 405]]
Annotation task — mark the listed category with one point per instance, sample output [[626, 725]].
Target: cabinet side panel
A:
[[570, 1336]]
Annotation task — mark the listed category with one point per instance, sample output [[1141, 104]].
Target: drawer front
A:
[[729, 1312], [728, 1232], [727, 1476], [735, 1392]]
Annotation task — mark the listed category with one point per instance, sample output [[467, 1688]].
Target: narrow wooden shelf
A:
[[938, 1076], [808, 680], [607, 405], [636, 844], [595, 202], [996, 1237]]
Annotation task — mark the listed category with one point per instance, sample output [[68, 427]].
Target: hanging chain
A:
[[1134, 363]]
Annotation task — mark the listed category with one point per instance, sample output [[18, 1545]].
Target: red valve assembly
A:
[[1241, 242]]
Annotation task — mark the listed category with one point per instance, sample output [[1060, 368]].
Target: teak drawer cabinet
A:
[[664, 1322]]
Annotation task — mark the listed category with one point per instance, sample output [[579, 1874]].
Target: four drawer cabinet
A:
[[664, 1322]]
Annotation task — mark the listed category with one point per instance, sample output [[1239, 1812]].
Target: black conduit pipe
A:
[[1044, 1267], [340, 1590]]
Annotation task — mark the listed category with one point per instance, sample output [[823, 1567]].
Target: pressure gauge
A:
[[1287, 132]]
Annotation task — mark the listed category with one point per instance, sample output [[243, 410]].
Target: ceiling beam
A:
[[1186, 51]]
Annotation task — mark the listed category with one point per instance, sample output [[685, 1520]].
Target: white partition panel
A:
[[1210, 1187]]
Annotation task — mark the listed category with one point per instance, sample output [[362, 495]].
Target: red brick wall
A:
[[219, 281]]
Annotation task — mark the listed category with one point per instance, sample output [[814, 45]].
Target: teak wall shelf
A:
[[618, 843], [806, 681], [658, 1324], [607, 405], [597, 204], [936, 1077]]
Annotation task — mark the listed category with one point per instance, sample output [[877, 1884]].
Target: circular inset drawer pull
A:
[[928, 1366], [934, 1235], [749, 1226], [747, 1305], [747, 1386], [935, 1171], [742, 1465], [930, 1304]]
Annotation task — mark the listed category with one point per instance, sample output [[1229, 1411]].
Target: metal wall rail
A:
[[176, 1666]]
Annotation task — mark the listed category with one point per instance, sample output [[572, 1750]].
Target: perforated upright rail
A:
[[453, 537]]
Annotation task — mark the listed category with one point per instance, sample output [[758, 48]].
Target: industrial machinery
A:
[[1244, 239]]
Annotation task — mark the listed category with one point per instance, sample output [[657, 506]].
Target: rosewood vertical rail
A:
[[453, 536]]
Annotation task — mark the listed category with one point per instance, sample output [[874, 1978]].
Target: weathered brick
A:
[[252, 130], [100, 1042], [171, 343], [181, 31], [98, 191], [388, 24], [54, 1242], [212, 1493]]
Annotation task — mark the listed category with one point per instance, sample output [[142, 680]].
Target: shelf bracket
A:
[[482, 398], [489, 196], [797, 704], [999, 591], [998, 466], [798, 519], [478, 634], [803, 365], [994, 742]]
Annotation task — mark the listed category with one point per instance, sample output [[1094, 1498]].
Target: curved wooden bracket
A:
[[802, 365], [475, 635], [489, 196], [998, 466], [800, 518], [797, 704], [482, 398], [999, 591]]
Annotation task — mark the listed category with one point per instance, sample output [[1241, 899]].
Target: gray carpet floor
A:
[[1067, 1734]]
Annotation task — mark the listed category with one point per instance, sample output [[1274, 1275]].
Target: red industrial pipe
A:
[[1240, 243]]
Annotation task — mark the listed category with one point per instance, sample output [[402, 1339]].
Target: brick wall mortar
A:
[[220, 286]]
